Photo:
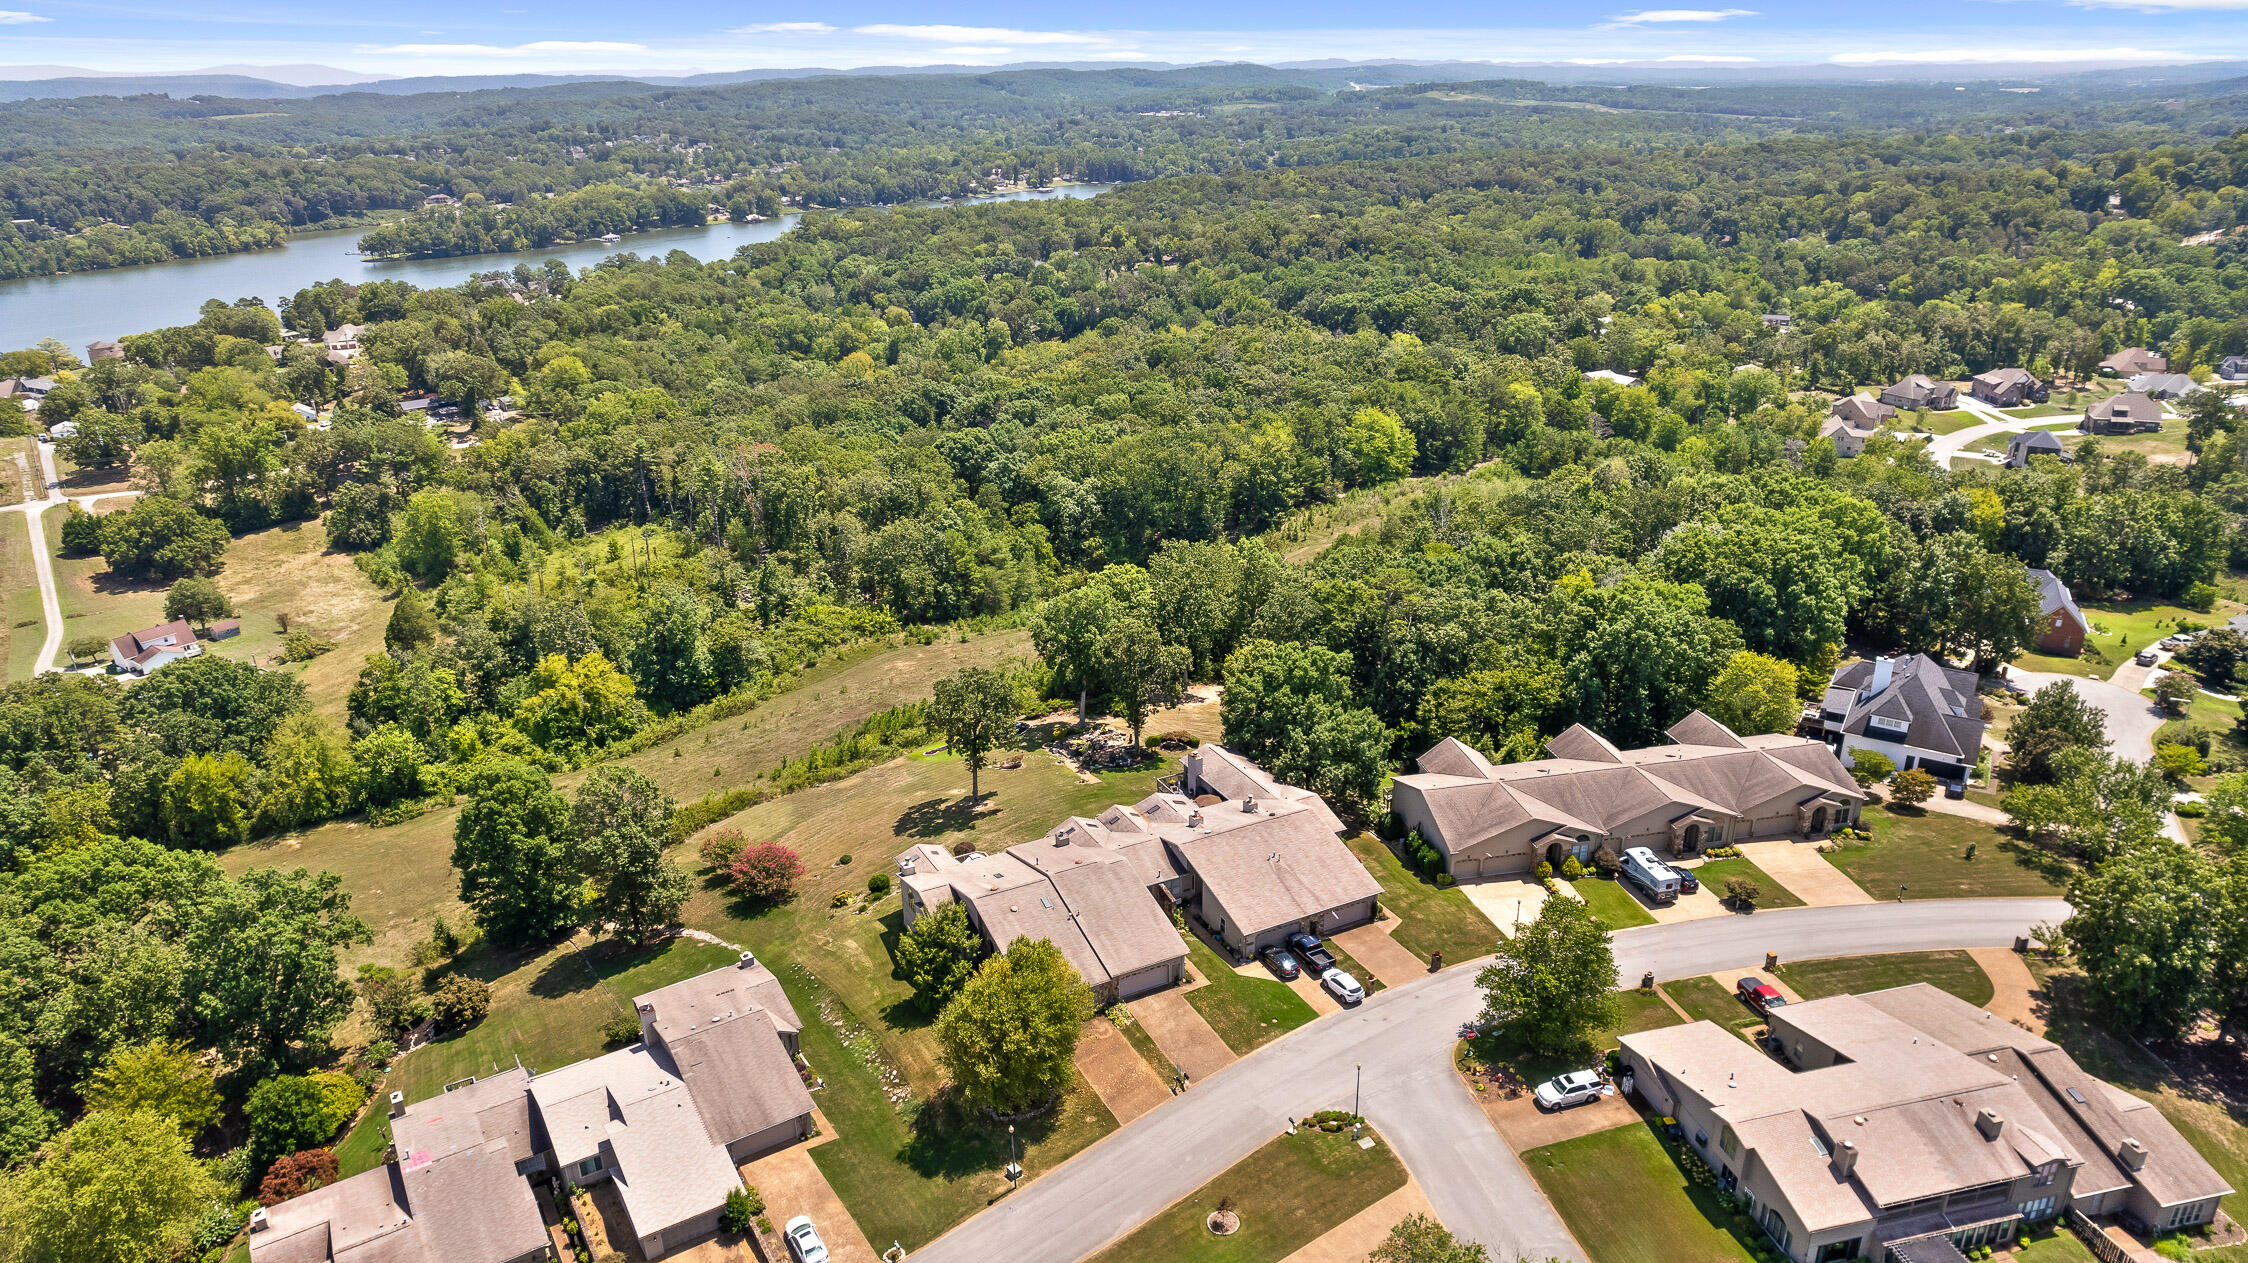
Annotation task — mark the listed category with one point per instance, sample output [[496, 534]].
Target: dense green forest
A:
[[106, 182], [1105, 419]]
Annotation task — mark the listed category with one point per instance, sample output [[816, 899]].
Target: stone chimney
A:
[[1845, 1158], [2131, 1154], [749, 960], [258, 1220], [1989, 1123], [398, 1105]]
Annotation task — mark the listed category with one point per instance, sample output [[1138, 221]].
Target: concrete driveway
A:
[[2132, 718], [1401, 1039]]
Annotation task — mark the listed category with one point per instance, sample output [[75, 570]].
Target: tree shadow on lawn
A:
[[935, 817], [952, 1142]]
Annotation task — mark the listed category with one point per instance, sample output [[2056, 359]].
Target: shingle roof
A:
[[740, 1076], [682, 1006], [496, 1107], [2164, 385], [1285, 867], [1591, 785], [1938, 705], [2135, 359], [2053, 596], [1860, 412], [635, 1104], [2007, 377], [2131, 405], [138, 647], [1919, 389], [468, 1207]]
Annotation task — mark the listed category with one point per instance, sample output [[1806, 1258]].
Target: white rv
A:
[[1654, 878]]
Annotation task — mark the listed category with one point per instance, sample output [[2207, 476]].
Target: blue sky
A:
[[504, 36]]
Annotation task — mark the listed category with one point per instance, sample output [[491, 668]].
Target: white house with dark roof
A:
[[665, 1122], [144, 651], [1913, 709], [1908, 1126], [1709, 787]]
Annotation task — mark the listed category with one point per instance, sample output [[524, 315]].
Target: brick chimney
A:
[[398, 1105], [2131, 1154], [1989, 1122], [1845, 1158]]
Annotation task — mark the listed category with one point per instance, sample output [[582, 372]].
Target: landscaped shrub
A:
[[842, 899], [215, 1226], [878, 885], [1572, 869], [297, 1174], [719, 847], [741, 1212], [1545, 871], [2193, 810], [1742, 892], [460, 1003], [1606, 864], [621, 1031], [1723, 853], [767, 872], [1334, 1120], [1445, 881]]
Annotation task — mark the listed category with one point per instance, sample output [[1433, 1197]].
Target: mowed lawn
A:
[[906, 1171], [1429, 919], [401, 877], [1288, 1193], [1713, 874], [1634, 1011], [26, 624], [548, 1008], [1617, 908], [1925, 853], [1246, 1012], [1705, 1001], [1951, 971], [1627, 1201]]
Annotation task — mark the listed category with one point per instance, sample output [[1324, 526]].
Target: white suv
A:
[[1342, 986], [1574, 1088]]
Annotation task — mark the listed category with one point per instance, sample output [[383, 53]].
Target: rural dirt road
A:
[[50, 602]]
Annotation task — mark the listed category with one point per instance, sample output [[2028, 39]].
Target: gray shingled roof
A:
[[1938, 705], [2131, 405], [2053, 595], [739, 1075]]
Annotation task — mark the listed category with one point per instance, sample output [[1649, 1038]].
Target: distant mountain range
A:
[[244, 82]]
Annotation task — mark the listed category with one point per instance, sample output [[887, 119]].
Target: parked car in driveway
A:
[[2145, 657], [1308, 950], [1281, 963], [1955, 789], [804, 1244], [1578, 1087], [1342, 986], [1687, 882], [1759, 994]]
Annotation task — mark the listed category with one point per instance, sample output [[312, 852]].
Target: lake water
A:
[[83, 307]]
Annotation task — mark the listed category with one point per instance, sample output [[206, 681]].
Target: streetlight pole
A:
[[1014, 1168], [1358, 1082]]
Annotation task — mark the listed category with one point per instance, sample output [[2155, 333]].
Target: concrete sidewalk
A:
[[1806, 873]]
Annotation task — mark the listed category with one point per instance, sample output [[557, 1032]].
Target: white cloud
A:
[[1681, 15], [17, 17], [978, 34], [1703, 57], [782, 28], [534, 49], [2151, 6], [1985, 55]]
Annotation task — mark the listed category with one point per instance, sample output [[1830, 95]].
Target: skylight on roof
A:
[[1045, 903], [2077, 1097]]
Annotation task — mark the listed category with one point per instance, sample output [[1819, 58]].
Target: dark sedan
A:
[[1282, 964]]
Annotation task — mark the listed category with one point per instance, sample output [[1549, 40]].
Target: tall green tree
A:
[[1754, 694], [623, 822], [1009, 1037], [198, 600], [2057, 718], [115, 1188], [512, 847], [1551, 985], [411, 624], [1068, 629], [1290, 709], [975, 709], [1142, 672], [162, 1075], [939, 954], [2144, 928]]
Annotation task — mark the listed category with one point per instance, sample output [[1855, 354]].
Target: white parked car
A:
[[1574, 1088], [1342, 986], [804, 1243]]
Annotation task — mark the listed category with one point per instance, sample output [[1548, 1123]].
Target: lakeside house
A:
[[1709, 787], [662, 1126], [1909, 1125]]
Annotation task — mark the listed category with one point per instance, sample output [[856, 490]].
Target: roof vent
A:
[[905, 864], [1989, 1122], [1194, 821]]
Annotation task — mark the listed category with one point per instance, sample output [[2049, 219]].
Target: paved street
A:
[[2132, 718], [1403, 1038]]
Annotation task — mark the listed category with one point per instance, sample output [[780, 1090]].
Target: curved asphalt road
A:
[[1403, 1038]]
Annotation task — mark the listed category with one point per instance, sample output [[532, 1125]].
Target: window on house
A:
[[2047, 1173], [591, 1166], [1729, 1142], [1701, 1140], [2039, 1208]]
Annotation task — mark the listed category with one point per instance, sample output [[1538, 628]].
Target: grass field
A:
[[400, 877], [2119, 631], [1705, 1001], [1617, 908], [1429, 919], [26, 625], [2169, 441], [1955, 972], [1945, 422], [21, 477], [1927, 855], [1713, 875], [1593, 1179], [1246, 1012], [1288, 1194]]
